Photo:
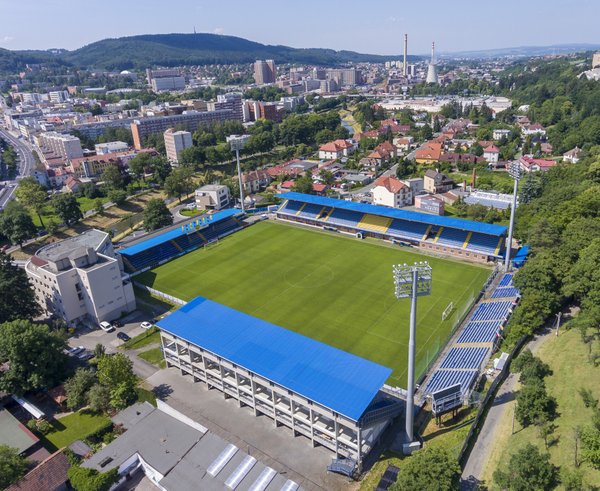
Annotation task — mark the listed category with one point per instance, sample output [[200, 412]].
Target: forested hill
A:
[[186, 49]]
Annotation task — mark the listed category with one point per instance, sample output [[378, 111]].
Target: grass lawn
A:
[[73, 427], [329, 287], [150, 336], [154, 356], [191, 213], [567, 357]]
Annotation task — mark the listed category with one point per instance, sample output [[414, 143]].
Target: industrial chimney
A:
[[405, 66], [432, 76]]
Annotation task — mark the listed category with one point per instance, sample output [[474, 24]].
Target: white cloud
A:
[[218, 30], [6, 39]]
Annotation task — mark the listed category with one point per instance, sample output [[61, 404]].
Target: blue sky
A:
[[373, 26]]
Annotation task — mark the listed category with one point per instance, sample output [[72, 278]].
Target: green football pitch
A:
[[332, 288]]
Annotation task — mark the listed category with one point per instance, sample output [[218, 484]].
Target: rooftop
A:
[[50, 475], [60, 250], [14, 434], [333, 378]]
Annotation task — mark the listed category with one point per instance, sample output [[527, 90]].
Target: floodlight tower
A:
[[237, 143], [514, 171], [412, 282]]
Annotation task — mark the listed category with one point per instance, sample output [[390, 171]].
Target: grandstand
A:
[[179, 239], [453, 236], [475, 342], [328, 395]]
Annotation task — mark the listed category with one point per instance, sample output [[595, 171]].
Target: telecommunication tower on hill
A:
[[432, 75]]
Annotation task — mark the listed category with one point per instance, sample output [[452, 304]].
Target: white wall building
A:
[[80, 278], [65, 146], [213, 197], [175, 142], [491, 154], [111, 147], [389, 191]]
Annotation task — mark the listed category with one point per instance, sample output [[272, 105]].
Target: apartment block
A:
[[175, 142]]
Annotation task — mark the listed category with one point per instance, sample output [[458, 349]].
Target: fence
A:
[[485, 405], [159, 294]]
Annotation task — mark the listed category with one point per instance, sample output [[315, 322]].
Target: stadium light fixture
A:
[[412, 282], [514, 171], [237, 143]]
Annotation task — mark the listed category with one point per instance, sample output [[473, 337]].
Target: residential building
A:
[[345, 77], [435, 182], [111, 147], [389, 191], [265, 72], [491, 154], [81, 279], [175, 142], [429, 153], [232, 101], [403, 143], [498, 134], [64, 146], [533, 129], [58, 96], [336, 149], [190, 120], [49, 475], [213, 197], [529, 164], [572, 156], [165, 79], [255, 180]]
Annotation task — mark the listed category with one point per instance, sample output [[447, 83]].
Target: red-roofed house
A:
[[320, 189], [572, 155], [72, 185], [491, 154], [336, 149], [533, 129], [429, 153], [389, 191], [529, 164], [50, 475], [255, 180]]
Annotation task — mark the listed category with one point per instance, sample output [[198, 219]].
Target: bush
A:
[[588, 398], [531, 367], [83, 479], [40, 426]]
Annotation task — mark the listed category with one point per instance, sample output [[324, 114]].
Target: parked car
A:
[[146, 325], [116, 324], [106, 327], [85, 355], [74, 351], [123, 337]]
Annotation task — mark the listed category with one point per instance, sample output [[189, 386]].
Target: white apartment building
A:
[[58, 96], [111, 147], [213, 197], [65, 146], [167, 83], [81, 278], [389, 191], [175, 142]]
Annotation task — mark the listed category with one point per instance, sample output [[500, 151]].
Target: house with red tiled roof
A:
[[533, 129], [255, 180], [529, 164], [72, 185], [429, 153], [49, 475], [320, 189], [572, 155], [491, 154], [336, 149], [389, 191]]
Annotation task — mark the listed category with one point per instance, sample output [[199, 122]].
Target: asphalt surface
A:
[[26, 165]]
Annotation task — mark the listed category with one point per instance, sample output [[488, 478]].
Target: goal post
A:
[[447, 311]]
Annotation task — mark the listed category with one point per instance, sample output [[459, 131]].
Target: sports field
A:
[[336, 289]]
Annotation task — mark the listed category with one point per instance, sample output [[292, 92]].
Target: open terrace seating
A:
[[480, 332], [506, 292], [442, 379], [465, 358], [492, 311], [506, 280]]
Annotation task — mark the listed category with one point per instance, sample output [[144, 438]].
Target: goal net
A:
[[447, 311]]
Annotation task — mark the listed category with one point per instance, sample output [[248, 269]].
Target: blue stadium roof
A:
[[174, 233], [340, 381], [413, 216]]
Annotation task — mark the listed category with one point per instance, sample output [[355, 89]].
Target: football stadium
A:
[[296, 318]]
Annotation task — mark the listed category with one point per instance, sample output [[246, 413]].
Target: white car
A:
[[146, 325], [74, 351], [106, 327]]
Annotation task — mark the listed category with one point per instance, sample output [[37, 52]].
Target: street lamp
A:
[[412, 282], [237, 142], [514, 171]]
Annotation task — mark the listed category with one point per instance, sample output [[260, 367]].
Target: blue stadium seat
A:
[[403, 229], [483, 243], [452, 237], [442, 379], [291, 207], [465, 358], [493, 311], [506, 280], [506, 292], [310, 211], [345, 218], [480, 332]]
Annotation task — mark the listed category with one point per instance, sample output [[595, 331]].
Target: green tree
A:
[[527, 470], [18, 298], [534, 404], [114, 370], [34, 354], [113, 178], [532, 369], [32, 195], [84, 479], [430, 469], [590, 439], [117, 196], [12, 466], [16, 224], [98, 398], [157, 215], [67, 208], [122, 395], [98, 206], [77, 387], [180, 182], [304, 184]]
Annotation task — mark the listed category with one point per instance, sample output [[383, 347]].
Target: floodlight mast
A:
[[412, 282], [237, 143], [514, 171]]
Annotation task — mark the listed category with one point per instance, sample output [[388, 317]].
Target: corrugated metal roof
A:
[[174, 233], [413, 216], [331, 377]]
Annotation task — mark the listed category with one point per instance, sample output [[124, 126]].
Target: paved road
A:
[[26, 164], [473, 472]]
